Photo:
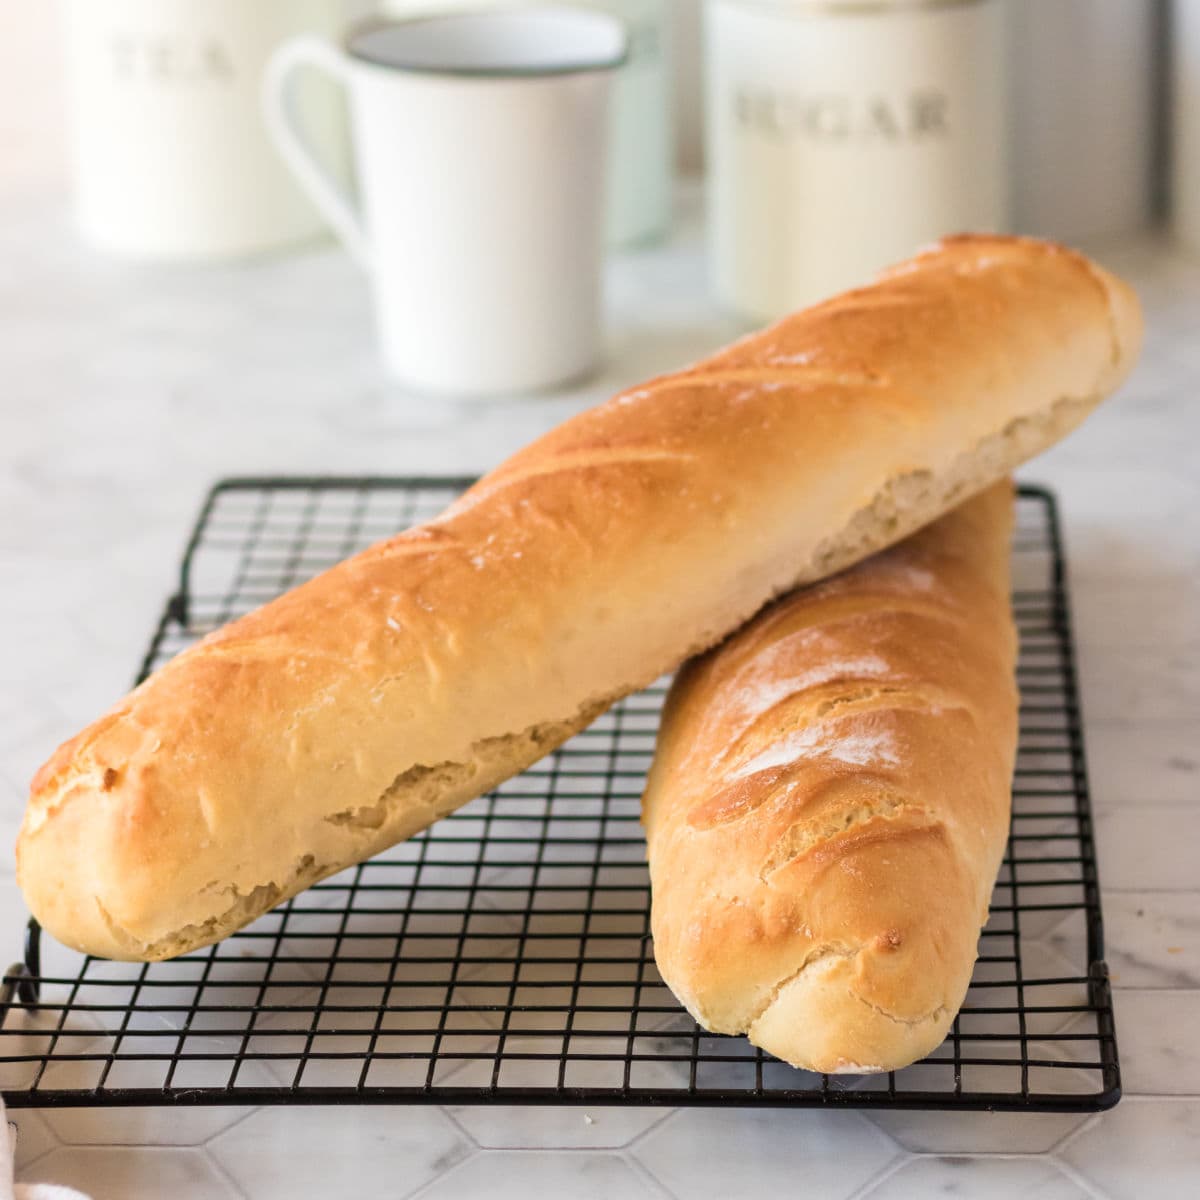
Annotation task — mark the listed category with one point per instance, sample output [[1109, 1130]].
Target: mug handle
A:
[[285, 127]]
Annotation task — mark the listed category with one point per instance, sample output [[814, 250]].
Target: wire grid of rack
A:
[[504, 955]]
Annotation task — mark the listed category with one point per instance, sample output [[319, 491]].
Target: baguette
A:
[[829, 803], [355, 710]]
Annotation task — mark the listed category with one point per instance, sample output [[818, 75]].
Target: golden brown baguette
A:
[[358, 708], [829, 803]]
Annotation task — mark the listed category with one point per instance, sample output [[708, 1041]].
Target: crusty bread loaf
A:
[[360, 707], [829, 803]]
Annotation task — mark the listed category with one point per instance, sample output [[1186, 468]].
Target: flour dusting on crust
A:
[[877, 748], [763, 693]]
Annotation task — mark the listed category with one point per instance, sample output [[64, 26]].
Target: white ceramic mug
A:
[[479, 146], [172, 158]]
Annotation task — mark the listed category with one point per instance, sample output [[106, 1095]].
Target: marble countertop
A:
[[128, 389]]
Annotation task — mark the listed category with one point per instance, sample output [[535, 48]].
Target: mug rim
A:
[[532, 71]]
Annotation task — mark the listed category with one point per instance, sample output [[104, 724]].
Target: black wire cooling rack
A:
[[504, 955]]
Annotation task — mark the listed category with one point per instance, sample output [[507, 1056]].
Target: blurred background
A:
[[213, 211], [1086, 112]]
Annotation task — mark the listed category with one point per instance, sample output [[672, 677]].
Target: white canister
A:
[[640, 150], [1083, 99], [1185, 132], [172, 158], [843, 135]]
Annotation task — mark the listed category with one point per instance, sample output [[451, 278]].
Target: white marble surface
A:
[[128, 389]]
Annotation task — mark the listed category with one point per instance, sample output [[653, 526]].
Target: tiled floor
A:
[[124, 386]]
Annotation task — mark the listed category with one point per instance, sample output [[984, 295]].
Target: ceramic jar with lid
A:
[[844, 134]]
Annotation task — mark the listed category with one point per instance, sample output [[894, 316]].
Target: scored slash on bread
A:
[[360, 707]]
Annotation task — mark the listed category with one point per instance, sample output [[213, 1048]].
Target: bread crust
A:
[[357, 708], [829, 802]]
